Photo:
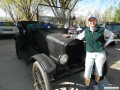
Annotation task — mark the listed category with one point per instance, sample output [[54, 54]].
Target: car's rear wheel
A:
[[105, 71], [18, 52], [41, 81]]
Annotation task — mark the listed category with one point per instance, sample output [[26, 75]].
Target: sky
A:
[[2, 13], [84, 6]]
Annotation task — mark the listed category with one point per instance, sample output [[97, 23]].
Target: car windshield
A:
[[6, 24], [56, 16]]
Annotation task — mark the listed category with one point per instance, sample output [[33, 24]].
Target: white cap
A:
[[92, 16]]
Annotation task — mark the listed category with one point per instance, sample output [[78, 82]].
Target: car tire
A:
[[18, 52], [105, 72], [41, 80]]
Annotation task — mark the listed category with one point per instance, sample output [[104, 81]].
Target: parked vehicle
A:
[[114, 27], [53, 56], [8, 28]]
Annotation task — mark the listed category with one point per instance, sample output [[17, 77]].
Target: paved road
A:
[[16, 75]]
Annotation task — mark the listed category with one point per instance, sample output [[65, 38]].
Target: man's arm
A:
[[81, 36], [109, 35]]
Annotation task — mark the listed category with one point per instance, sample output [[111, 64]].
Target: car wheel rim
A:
[[40, 85]]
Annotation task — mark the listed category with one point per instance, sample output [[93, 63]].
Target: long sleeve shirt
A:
[[107, 34]]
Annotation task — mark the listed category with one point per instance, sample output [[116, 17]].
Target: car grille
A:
[[7, 29]]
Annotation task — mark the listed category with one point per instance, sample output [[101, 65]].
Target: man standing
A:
[[95, 45]]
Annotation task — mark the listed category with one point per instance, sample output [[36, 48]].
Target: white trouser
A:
[[94, 57]]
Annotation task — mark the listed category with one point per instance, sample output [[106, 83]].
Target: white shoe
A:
[[95, 87]]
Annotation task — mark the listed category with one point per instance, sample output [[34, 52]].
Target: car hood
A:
[[57, 38]]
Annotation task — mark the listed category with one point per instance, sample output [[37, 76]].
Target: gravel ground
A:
[[114, 64]]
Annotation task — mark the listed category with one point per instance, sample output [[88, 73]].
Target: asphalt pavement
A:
[[16, 75]]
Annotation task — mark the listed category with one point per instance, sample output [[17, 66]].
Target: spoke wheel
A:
[[41, 81], [18, 53], [105, 72]]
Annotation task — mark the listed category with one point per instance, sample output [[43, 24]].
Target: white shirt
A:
[[108, 34]]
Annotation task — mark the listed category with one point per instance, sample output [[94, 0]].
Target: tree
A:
[[20, 9], [26, 9], [7, 7], [61, 3], [108, 15], [117, 14]]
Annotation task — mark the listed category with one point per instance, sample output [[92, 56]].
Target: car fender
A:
[[46, 63]]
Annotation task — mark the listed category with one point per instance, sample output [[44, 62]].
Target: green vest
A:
[[94, 41]]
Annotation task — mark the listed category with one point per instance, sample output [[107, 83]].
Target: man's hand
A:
[[66, 36], [105, 46]]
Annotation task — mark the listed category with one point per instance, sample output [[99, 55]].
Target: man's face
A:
[[92, 22]]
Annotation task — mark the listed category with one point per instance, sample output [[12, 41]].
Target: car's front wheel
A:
[[41, 80], [105, 71]]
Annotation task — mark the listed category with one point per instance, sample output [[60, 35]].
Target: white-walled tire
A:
[[41, 81]]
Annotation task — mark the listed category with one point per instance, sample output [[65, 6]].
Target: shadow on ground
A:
[[114, 64], [76, 82], [6, 37]]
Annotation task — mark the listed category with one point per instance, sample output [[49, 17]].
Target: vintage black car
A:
[[53, 56]]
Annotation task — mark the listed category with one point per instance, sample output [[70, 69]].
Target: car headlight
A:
[[63, 58]]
